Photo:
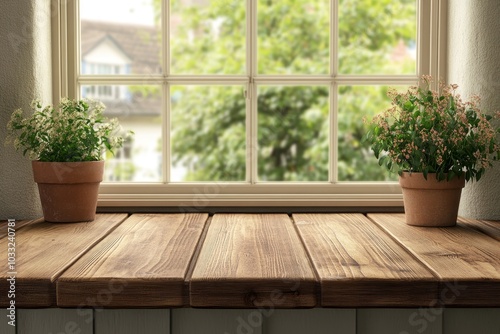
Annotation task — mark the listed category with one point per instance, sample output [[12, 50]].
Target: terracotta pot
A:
[[68, 190], [430, 202]]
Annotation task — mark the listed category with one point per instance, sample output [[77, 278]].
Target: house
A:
[[118, 49]]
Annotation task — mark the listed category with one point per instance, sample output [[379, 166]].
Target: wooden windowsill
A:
[[302, 260]]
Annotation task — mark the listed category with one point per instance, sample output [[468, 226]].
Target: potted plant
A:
[[436, 142], [66, 145]]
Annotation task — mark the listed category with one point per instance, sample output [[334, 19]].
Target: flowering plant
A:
[[431, 131], [74, 131]]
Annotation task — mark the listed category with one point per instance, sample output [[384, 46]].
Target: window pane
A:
[[207, 36], [138, 108], [208, 133], [293, 36], [377, 38], [293, 133], [120, 37], [356, 161]]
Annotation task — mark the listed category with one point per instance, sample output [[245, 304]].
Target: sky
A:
[[130, 11]]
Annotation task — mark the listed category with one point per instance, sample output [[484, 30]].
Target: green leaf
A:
[[479, 174], [382, 160]]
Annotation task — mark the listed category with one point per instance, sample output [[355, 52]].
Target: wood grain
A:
[[491, 228], [143, 263], [44, 250], [19, 224], [252, 260], [466, 260], [358, 265]]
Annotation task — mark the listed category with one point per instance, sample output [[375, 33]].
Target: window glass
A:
[[208, 36], [120, 37], [138, 109], [377, 37], [208, 133], [293, 36], [293, 133]]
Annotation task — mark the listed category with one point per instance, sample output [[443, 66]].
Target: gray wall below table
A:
[[220, 321]]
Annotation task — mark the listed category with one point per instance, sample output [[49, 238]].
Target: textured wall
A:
[[474, 64], [25, 73]]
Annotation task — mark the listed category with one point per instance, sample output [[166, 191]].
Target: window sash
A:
[[431, 42]]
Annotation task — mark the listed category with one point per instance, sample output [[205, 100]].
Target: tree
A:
[[208, 122]]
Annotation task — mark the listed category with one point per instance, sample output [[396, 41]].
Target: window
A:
[[120, 167], [256, 102]]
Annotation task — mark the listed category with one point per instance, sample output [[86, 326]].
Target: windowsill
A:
[[254, 260]]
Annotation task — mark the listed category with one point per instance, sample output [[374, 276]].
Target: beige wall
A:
[[25, 73], [474, 64]]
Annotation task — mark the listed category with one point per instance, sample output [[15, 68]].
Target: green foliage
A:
[[355, 158], [431, 131], [368, 32], [208, 132], [293, 38], [75, 131], [293, 133]]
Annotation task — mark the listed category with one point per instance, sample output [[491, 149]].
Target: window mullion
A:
[[165, 24], [252, 112], [165, 107], [333, 110], [333, 162], [334, 37]]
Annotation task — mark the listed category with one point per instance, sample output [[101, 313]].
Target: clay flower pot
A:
[[68, 190], [430, 202]]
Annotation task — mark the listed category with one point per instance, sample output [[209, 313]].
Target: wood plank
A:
[[44, 250], [132, 321], [317, 321], [206, 321], [488, 227], [466, 261], [143, 263], [18, 225], [55, 320], [358, 265], [400, 321], [466, 321], [252, 260]]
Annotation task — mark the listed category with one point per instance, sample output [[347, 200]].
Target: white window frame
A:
[[431, 59]]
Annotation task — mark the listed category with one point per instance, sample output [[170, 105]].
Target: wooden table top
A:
[[252, 261]]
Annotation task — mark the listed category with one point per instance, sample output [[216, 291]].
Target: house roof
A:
[[140, 43], [137, 106]]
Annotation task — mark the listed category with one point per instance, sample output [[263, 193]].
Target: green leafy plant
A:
[[74, 131], [435, 131]]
